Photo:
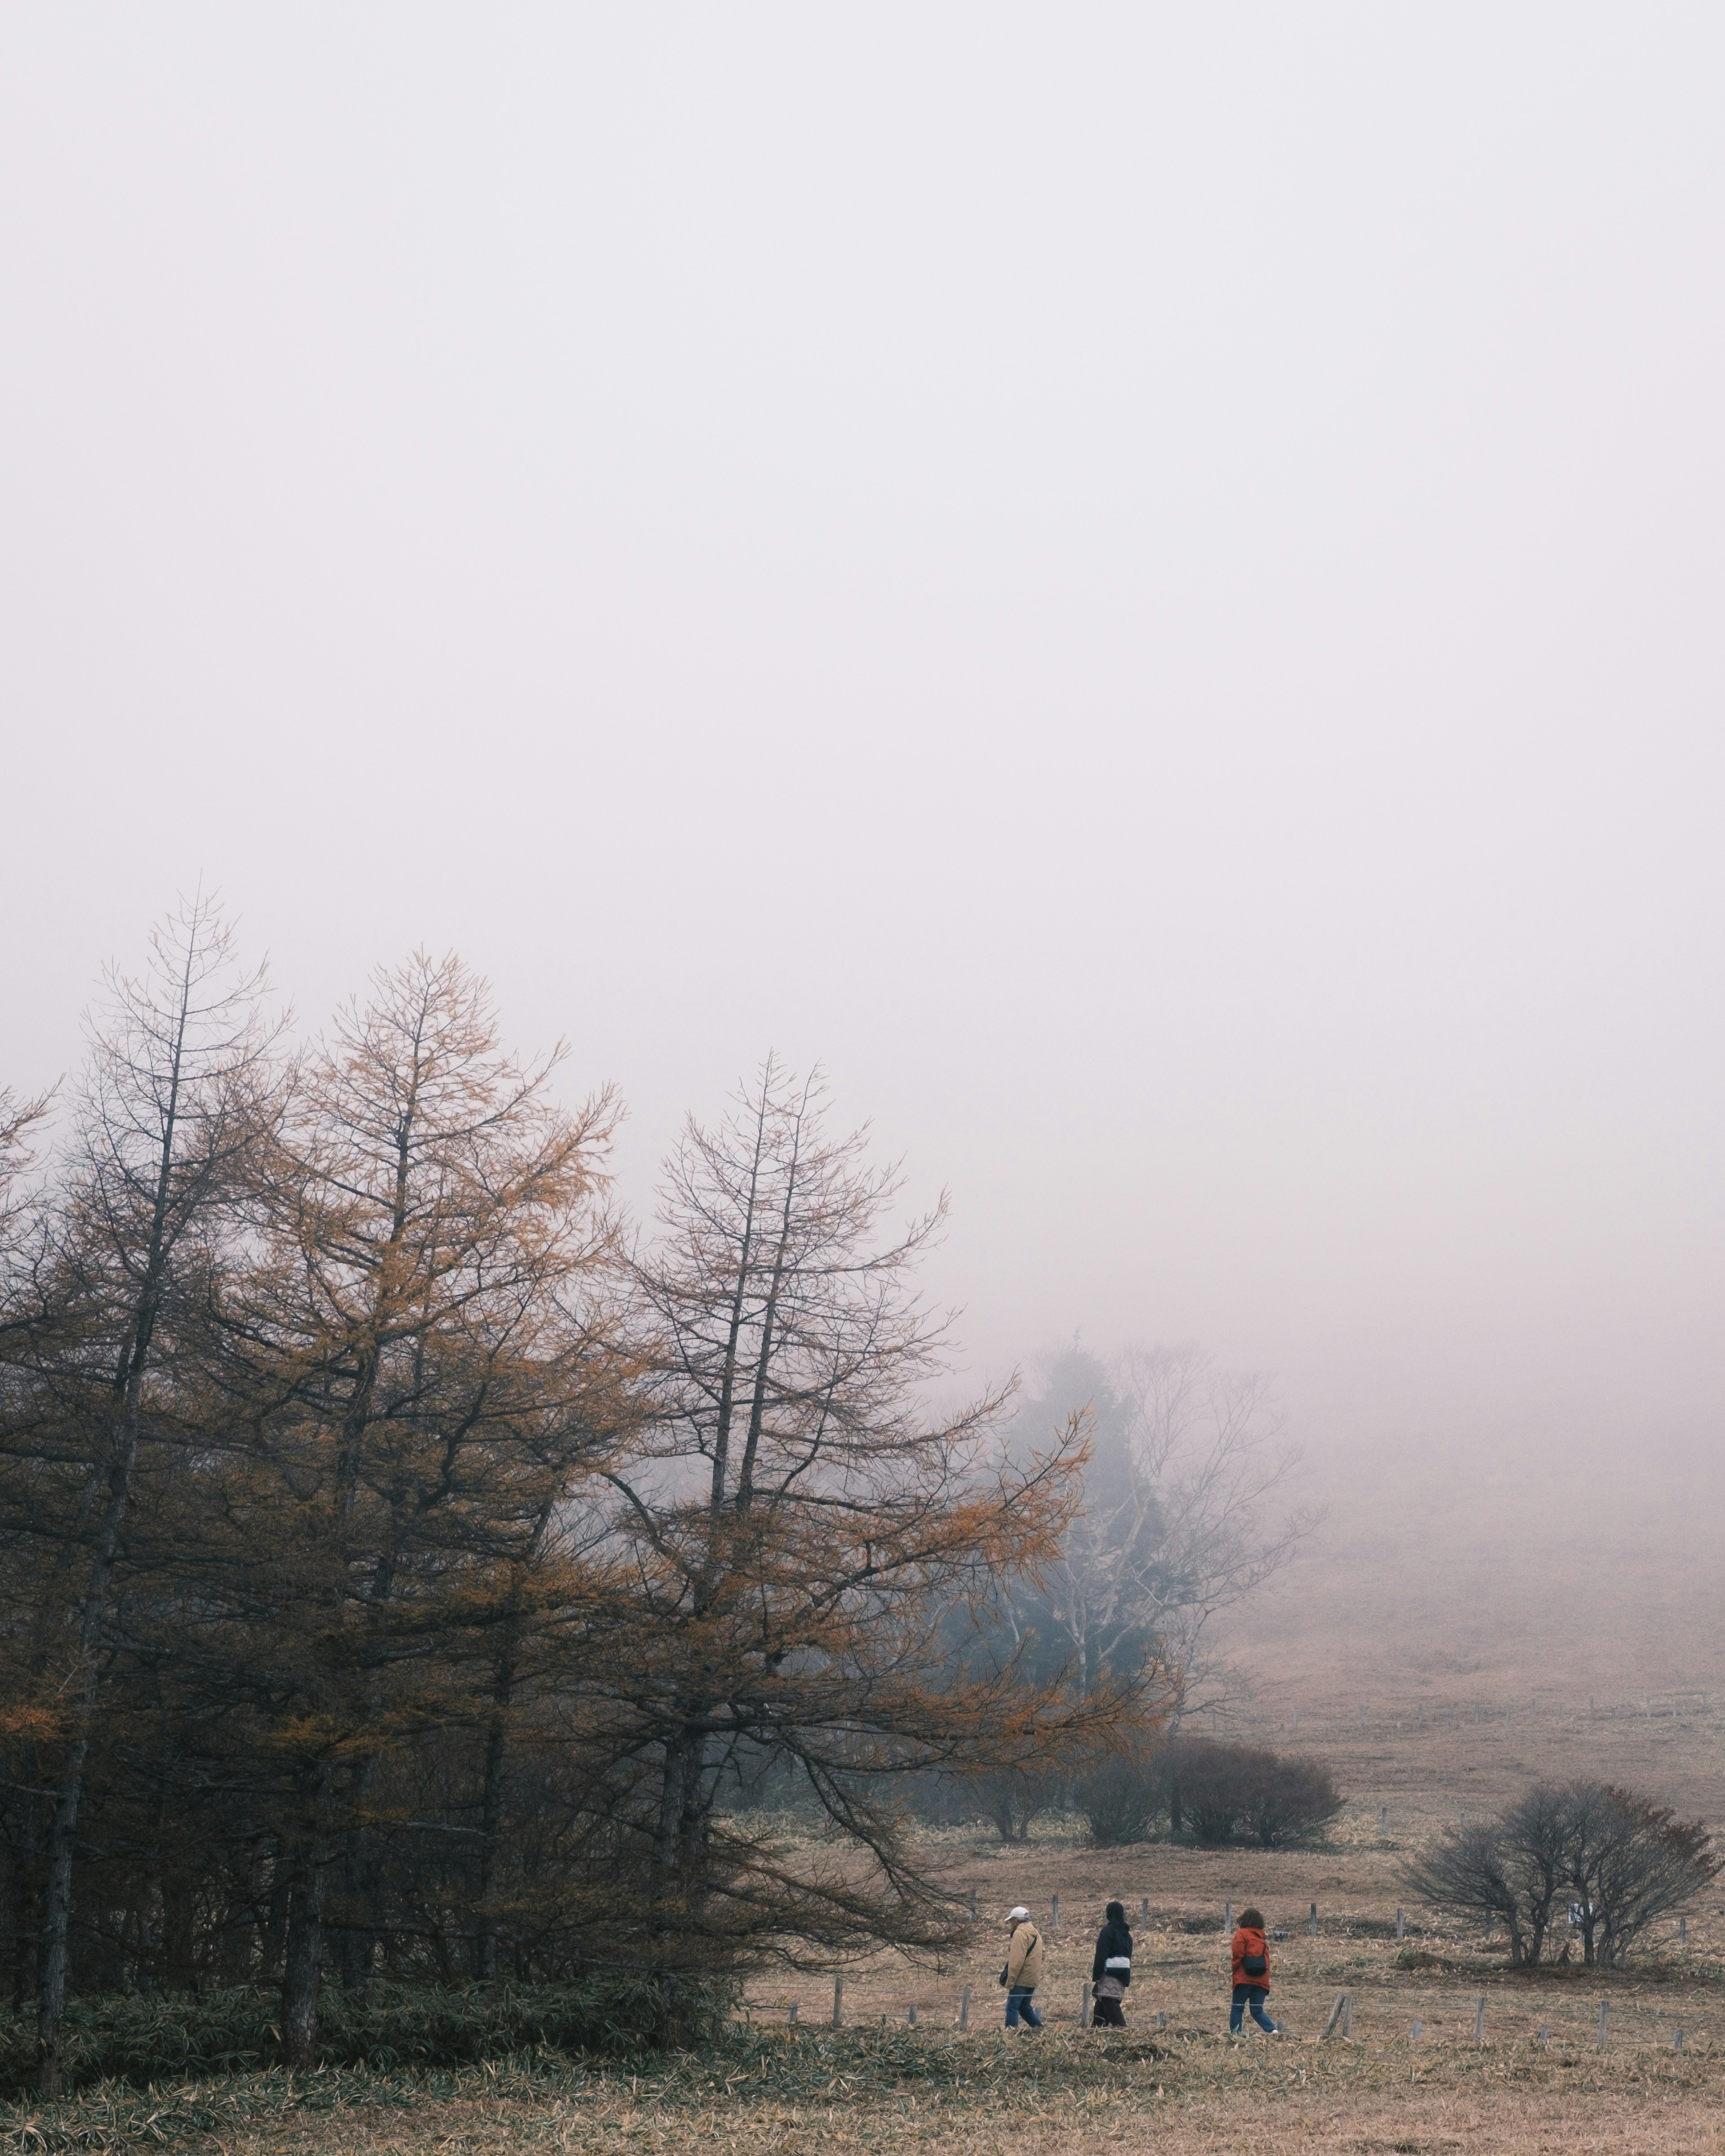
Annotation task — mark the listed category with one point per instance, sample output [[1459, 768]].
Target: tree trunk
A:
[[56, 1927], [50, 2033], [484, 1944], [301, 1961]]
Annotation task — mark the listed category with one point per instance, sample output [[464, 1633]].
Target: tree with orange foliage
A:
[[796, 1528], [420, 1373]]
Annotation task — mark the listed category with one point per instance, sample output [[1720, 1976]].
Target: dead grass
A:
[[1400, 1613], [980, 2095]]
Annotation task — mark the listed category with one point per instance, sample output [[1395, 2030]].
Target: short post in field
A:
[[1144, 1910], [1054, 1917], [912, 2016], [1334, 2023], [1382, 1819], [1479, 2019], [1683, 1931], [964, 2009], [972, 1905], [795, 2003], [1314, 1920], [1604, 2022], [1084, 2006], [1417, 2032], [1162, 2018], [1348, 2015], [1545, 2032], [1401, 1925], [838, 2002], [1228, 1916], [1677, 2039], [1422, 1714]]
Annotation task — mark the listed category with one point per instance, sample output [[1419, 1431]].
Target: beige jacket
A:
[[1023, 1958]]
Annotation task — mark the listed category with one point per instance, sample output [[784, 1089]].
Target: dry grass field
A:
[[1440, 1666]]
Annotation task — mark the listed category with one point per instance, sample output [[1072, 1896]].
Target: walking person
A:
[[1111, 1970], [1022, 1972], [1251, 1973]]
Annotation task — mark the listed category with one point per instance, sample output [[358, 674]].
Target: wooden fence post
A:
[[1382, 1819], [1228, 1916], [964, 2009], [1334, 2021], [1677, 2041], [1314, 1920], [972, 1905], [1348, 2015], [1401, 1928], [1545, 2032], [795, 2003], [912, 2016], [1479, 2020], [838, 2002], [1144, 1910], [1417, 2032], [1683, 1931], [1162, 2017], [1084, 2006], [1605, 2023], [1055, 1919]]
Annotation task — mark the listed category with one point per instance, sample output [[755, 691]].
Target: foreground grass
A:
[[902, 2091]]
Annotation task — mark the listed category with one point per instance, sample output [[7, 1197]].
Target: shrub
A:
[[115, 2037], [1621, 1859], [1220, 1793], [1120, 1803]]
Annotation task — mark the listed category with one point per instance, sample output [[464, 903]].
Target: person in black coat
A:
[[1111, 1970]]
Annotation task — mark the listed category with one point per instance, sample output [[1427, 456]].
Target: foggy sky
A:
[[1143, 582]]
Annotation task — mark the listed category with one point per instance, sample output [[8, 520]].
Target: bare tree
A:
[[1181, 1518], [180, 1085], [797, 1531], [1625, 1861], [1631, 1862]]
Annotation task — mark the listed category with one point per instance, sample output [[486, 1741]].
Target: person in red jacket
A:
[[1251, 1973]]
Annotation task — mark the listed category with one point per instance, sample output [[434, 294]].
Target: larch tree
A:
[[180, 1090], [424, 1367], [795, 1527]]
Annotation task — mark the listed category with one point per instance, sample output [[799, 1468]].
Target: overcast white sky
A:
[[1143, 582]]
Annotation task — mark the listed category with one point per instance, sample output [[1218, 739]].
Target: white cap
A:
[[1018, 1915]]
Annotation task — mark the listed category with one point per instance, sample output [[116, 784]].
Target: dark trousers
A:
[[1018, 2002], [1252, 1995], [1108, 2015]]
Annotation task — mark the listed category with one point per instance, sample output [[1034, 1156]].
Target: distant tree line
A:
[[404, 1565]]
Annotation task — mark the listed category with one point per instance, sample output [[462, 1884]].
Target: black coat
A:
[[1114, 1943]]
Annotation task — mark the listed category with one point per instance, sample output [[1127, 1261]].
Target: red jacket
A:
[[1246, 1942]]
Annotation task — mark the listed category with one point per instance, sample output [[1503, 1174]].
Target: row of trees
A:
[[1601, 1861], [404, 1561]]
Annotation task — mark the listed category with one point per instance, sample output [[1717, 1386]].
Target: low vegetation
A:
[[1612, 1861]]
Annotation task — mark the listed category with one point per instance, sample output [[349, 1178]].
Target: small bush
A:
[[1221, 1794], [1120, 1803]]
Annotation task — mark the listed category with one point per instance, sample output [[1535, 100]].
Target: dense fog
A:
[[1140, 587]]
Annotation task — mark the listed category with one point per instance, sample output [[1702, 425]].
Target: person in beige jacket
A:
[[1022, 1972]]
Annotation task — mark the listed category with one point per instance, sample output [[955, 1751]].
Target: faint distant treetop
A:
[[1185, 1515]]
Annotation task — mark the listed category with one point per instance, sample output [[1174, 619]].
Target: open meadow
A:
[[1433, 1691]]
